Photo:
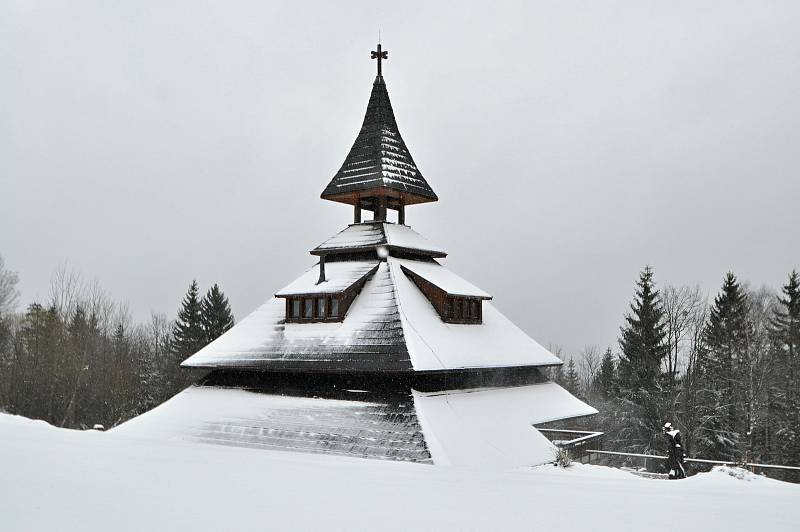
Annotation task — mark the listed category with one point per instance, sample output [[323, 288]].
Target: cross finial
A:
[[380, 55]]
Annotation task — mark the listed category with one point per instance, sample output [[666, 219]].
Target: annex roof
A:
[[371, 235], [379, 158], [463, 428], [448, 427], [380, 428], [339, 276]]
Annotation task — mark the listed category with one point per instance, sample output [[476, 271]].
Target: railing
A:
[[584, 437], [695, 460], [577, 442]]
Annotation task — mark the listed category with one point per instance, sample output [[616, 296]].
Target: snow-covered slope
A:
[[54, 479]]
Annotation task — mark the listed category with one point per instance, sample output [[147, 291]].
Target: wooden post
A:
[[401, 213], [380, 214], [357, 212]]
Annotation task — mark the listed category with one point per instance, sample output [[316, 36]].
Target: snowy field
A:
[[54, 479]]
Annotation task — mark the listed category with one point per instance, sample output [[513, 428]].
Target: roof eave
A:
[[357, 249]]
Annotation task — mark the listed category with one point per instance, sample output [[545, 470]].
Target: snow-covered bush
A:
[[562, 458]]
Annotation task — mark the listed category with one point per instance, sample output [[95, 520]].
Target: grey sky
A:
[[148, 143]]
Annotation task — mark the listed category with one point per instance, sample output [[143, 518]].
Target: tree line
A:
[[725, 372], [78, 359]]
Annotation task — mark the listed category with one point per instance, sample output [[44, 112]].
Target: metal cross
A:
[[380, 55]]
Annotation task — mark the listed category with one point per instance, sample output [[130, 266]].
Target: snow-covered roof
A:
[[445, 427], [358, 236], [403, 237], [381, 427], [435, 273], [379, 157], [369, 339], [494, 426], [373, 234], [391, 326], [436, 345], [339, 276]]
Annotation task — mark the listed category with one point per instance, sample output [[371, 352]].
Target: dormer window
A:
[[455, 300], [311, 299]]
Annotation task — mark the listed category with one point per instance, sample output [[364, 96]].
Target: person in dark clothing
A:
[[675, 454]]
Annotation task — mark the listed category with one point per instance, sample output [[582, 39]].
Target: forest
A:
[[78, 359], [726, 372]]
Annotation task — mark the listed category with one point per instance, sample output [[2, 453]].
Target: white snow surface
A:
[[338, 277], [57, 479]]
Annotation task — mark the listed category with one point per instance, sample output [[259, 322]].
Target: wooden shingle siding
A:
[[379, 163]]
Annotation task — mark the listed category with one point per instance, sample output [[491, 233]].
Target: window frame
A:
[[322, 308], [462, 310]]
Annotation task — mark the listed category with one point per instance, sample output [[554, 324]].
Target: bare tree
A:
[[756, 366], [686, 320], [66, 288], [681, 306], [588, 365], [8, 289]]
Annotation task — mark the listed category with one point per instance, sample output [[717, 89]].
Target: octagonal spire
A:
[[379, 170]]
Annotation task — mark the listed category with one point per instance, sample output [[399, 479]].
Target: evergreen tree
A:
[[216, 314], [785, 389], [571, 379], [721, 363], [643, 348], [606, 380], [188, 335], [643, 338], [556, 374]]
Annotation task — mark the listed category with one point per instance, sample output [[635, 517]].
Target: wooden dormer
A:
[[455, 300]]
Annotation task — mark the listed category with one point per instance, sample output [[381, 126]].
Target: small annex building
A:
[[378, 350]]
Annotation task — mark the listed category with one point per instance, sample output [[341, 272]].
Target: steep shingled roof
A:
[[379, 158]]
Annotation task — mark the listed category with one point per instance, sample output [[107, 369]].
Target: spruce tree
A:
[[557, 374], [643, 338], [606, 380], [721, 364], [571, 379], [188, 335], [643, 347], [785, 389], [216, 314]]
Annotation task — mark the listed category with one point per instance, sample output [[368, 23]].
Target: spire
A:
[[379, 172]]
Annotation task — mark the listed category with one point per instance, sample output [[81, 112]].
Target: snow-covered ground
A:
[[53, 479]]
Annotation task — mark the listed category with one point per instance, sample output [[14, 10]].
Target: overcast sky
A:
[[147, 143]]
